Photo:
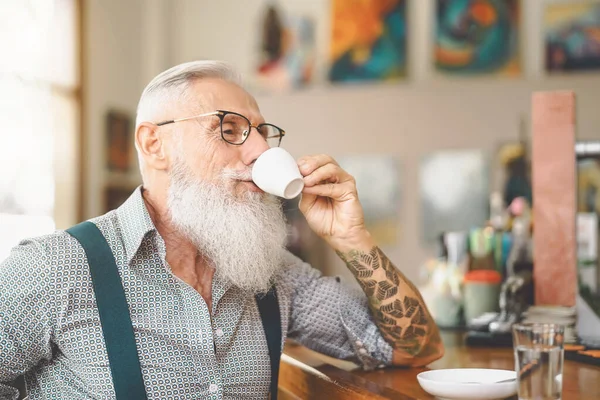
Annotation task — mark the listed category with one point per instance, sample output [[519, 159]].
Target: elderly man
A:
[[193, 247]]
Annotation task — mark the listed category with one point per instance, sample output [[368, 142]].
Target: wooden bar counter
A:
[[309, 375]]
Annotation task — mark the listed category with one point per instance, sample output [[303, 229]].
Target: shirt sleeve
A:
[[331, 318], [25, 309]]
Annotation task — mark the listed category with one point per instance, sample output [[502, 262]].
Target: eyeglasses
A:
[[235, 128]]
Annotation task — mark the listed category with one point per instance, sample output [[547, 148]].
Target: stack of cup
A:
[[565, 316]]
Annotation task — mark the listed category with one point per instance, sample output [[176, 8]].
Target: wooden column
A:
[[554, 198]]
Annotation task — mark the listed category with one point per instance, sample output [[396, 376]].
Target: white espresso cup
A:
[[275, 171]]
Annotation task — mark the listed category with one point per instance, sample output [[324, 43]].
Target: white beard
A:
[[242, 237]]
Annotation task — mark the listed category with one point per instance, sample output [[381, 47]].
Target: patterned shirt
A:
[[50, 328]]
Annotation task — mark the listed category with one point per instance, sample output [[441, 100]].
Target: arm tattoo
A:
[[397, 306]]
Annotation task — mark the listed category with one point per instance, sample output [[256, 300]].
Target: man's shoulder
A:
[[58, 248], [39, 264]]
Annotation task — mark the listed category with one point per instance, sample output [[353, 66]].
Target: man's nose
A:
[[254, 146]]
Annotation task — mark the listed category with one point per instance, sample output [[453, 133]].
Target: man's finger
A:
[[335, 191], [327, 173], [308, 164]]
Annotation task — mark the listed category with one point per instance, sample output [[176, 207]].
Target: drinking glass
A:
[[539, 356]]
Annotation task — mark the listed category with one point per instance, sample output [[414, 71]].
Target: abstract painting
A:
[[368, 40], [477, 37], [572, 34], [454, 189], [287, 57], [378, 184]]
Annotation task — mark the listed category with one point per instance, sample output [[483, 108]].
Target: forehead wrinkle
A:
[[202, 103]]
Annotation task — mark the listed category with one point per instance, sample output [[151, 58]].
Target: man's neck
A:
[[182, 256]]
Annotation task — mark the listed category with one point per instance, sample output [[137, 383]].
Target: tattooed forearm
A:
[[397, 306]]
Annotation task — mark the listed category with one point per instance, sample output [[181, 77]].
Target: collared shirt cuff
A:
[[367, 343]]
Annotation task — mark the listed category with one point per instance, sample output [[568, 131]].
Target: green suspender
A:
[[114, 313], [268, 306]]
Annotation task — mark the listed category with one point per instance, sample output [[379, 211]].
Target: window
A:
[[39, 118]]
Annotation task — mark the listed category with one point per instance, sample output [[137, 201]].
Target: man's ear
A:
[[151, 146]]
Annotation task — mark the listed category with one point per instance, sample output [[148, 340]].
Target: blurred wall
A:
[[128, 42], [113, 63]]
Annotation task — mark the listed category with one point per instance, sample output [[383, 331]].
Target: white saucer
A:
[[451, 383]]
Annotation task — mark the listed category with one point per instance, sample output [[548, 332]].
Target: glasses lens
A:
[[271, 134], [235, 128]]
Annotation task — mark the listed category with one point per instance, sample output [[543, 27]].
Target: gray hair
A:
[[172, 85]]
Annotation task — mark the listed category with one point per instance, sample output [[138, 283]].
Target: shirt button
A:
[[359, 343], [219, 332], [213, 388], [362, 351]]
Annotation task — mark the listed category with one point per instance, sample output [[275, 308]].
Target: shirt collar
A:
[[135, 222]]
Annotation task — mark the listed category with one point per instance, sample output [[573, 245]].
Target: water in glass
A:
[[539, 370]]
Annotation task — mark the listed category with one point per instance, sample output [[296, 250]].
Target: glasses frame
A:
[[221, 114]]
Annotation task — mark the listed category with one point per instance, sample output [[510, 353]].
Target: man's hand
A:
[[330, 203]]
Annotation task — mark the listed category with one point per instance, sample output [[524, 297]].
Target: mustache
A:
[[244, 175]]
